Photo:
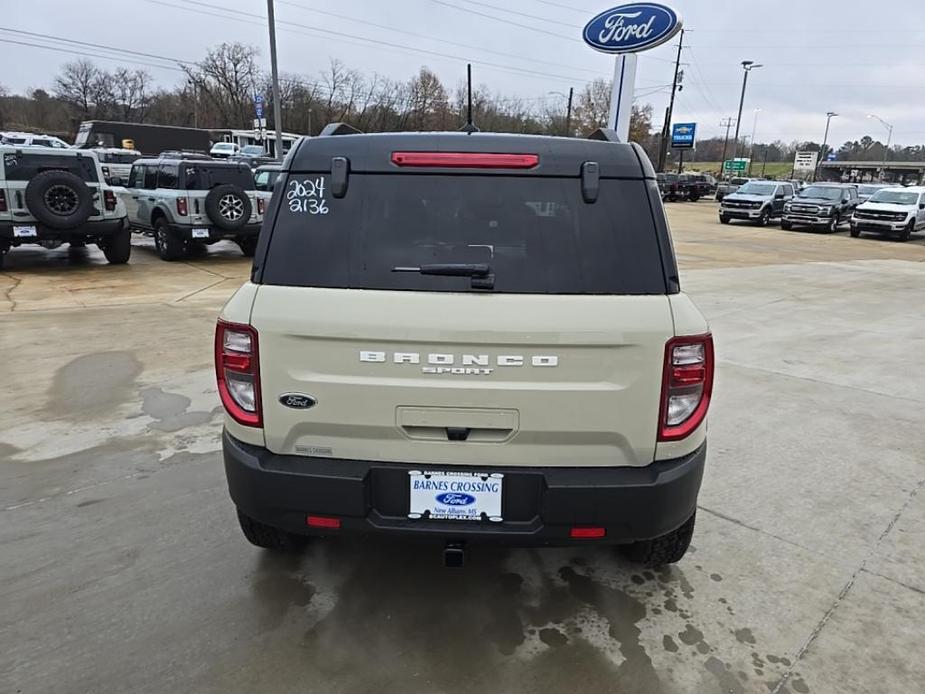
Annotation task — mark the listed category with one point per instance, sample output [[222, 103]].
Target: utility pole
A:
[[568, 113], [825, 141], [747, 66], [663, 151], [274, 69], [727, 123]]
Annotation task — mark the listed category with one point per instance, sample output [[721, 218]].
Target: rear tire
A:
[[907, 231], [265, 536], [248, 246], [118, 247], [169, 246], [785, 225], [666, 549]]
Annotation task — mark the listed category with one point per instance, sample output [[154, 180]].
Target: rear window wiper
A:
[[481, 274]]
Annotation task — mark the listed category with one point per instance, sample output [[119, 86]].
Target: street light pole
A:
[[889, 140], [751, 155], [747, 66], [274, 70], [825, 140]]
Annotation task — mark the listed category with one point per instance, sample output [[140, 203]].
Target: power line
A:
[[95, 45], [71, 51], [557, 22], [431, 38], [316, 30]]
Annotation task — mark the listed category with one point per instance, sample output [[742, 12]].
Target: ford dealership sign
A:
[[632, 28]]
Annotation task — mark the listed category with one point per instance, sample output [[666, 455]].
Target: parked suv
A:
[[894, 211], [669, 186], [54, 196], [463, 338], [116, 163], [185, 202], [821, 206], [698, 185], [731, 185], [756, 201]]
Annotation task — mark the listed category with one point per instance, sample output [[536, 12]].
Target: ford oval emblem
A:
[[297, 401], [455, 499], [632, 28]]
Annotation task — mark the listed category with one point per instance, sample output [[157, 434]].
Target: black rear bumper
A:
[[184, 231], [93, 228], [540, 505]]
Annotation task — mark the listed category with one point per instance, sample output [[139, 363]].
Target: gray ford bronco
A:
[[466, 338], [54, 196], [186, 203]]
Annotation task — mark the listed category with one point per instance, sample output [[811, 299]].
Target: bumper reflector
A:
[[587, 533], [322, 522]]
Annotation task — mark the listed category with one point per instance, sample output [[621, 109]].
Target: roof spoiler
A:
[[605, 134], [339, 129]]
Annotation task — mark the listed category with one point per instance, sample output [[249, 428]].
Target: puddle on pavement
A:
[[170, 410], [92, 384], [587, 623]]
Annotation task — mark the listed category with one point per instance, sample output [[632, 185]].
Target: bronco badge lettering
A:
[[459, 364]]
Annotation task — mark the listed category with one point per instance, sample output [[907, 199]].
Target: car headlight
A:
[[826, 210], [787, 207]]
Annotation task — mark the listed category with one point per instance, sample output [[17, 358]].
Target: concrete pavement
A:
[[124, 571]]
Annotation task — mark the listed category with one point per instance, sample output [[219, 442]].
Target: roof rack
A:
[[605, 134], [339, 129]]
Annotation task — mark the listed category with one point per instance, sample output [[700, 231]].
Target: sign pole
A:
[[621, 95]]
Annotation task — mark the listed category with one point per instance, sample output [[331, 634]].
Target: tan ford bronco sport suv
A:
[[466, 338]]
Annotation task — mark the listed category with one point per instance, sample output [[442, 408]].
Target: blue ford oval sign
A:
[[632, 28], [455, 499]]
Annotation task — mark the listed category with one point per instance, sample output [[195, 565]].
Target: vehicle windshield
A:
[[824, 192], [757, 189], [868, 190], [205, 177], [537, 235], [895, 197]]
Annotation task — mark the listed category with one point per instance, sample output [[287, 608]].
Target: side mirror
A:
[[922, 206]]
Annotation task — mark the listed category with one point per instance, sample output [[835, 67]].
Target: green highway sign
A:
[[735, 165]]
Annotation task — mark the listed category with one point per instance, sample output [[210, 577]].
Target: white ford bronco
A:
[[54, 196], [189, 202], [466, 338]]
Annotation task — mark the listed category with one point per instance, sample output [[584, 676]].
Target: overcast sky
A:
[[823, 55]]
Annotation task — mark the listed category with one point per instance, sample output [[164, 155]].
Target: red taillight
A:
[[182, 207], [261, 205], [3, 207], [465, 160], [323, 522], [109, 199], [687, 386], [237, 370], [587, 533]]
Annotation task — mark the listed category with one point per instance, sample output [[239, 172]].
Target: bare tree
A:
[[227, 77], [79, 85], [132, 92]]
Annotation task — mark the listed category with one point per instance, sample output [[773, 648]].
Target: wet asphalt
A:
[[123, 569]]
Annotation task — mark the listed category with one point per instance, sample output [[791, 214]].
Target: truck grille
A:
[[805, 209], [881, 216], [732, 204]]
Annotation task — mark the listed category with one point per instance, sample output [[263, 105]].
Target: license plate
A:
[[24, 232], [200, 233], [470, 496]]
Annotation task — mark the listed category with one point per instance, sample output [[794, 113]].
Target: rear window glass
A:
[[117, 157], [23, 166], [537, 234], [205, 177]]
